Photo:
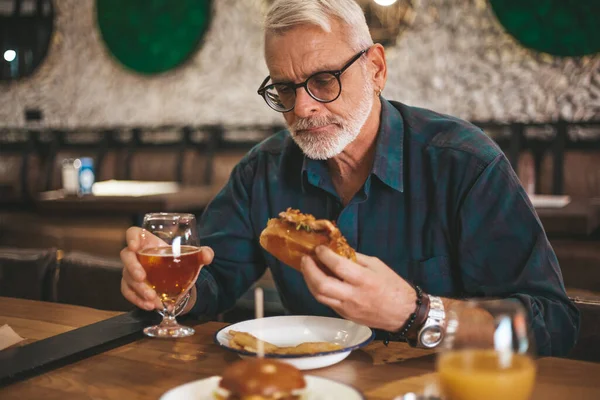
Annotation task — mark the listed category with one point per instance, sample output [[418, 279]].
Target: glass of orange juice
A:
[[487, 352]]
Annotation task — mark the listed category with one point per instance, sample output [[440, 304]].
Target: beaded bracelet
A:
[[401, 334]]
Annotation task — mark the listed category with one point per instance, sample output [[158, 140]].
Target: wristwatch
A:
[[431, 332]]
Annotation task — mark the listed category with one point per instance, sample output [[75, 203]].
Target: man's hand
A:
[[133, 284], [370, 293]]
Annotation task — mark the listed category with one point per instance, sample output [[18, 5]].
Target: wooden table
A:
[[145, 369], [186, 199], [580, 217]]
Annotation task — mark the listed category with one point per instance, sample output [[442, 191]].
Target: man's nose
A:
[[305, 105]]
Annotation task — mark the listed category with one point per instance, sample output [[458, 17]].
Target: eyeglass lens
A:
[[323, 87]]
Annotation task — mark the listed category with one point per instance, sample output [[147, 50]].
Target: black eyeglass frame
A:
[[294, 86]]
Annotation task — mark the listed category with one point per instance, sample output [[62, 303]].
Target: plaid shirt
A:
[[442, 207]]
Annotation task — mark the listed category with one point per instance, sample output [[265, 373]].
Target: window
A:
[[25, 30]]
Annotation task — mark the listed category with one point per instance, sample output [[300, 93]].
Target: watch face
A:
[[431, 336]]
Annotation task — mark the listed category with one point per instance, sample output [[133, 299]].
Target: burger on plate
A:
[[261, 379]]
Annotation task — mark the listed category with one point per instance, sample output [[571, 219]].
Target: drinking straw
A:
[[259, 312]]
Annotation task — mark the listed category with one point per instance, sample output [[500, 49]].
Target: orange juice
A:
[[483, 374]]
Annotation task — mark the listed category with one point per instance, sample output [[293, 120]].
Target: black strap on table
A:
[[17, 363]]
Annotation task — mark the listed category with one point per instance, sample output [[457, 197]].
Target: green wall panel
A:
[[153, 36], [557, 27]]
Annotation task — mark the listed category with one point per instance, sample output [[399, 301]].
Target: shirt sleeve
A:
[[226, 227], [504, 252]]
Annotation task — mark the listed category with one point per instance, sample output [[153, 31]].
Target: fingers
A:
[[326, 289], [340, 266], [133, 238], [138, 239], [136, 296], [133, 286], [335, 304], [140, 287], [131, 263], [135, 271], [368, 261], [206, 255]]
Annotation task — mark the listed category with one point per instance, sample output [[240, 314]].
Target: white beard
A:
[[341, 134]]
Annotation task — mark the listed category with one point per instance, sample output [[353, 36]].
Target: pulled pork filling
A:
[[307, 221]]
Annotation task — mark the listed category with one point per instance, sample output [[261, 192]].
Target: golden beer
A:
[[170, 273]]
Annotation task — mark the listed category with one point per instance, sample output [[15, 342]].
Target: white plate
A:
[[316, 389], [296, 329]]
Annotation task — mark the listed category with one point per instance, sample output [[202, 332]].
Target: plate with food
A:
[[265, 379], [306, 342]]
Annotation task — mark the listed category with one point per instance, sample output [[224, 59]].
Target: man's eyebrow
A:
[[324, 68], [278, 80], [327, 67]]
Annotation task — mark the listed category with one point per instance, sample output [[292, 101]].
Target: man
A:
[[429, 195]]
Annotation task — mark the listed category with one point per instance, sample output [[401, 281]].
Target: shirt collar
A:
[[388, 165], [389, 147]]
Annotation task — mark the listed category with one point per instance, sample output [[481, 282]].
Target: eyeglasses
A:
[[324, 87]]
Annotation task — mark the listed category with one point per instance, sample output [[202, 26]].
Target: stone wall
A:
[[455, 59]]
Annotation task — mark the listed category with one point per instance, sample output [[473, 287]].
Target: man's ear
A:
[[377, 66]]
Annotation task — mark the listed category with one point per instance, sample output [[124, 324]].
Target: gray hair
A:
[[286, 14]]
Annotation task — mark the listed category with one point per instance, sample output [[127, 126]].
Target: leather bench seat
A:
[[580, 262], [103, 235], [27, 273], [91, 281]]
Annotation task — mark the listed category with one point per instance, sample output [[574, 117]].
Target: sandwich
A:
[[261, 379], [293, 235]]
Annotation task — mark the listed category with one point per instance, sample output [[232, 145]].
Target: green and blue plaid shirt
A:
[[442, 207]]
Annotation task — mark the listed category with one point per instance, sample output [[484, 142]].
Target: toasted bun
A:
[[293, 235], [262, 378]]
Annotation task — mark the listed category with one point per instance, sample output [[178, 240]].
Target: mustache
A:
[[314, 122]]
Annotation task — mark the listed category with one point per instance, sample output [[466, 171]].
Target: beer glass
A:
[[487, 352], [170, 255]]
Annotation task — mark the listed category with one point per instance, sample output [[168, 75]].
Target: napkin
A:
[[8, 337], [393, 352], [426, 384]]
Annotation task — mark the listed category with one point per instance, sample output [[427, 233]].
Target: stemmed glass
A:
[[170, 255], [487, 352]]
